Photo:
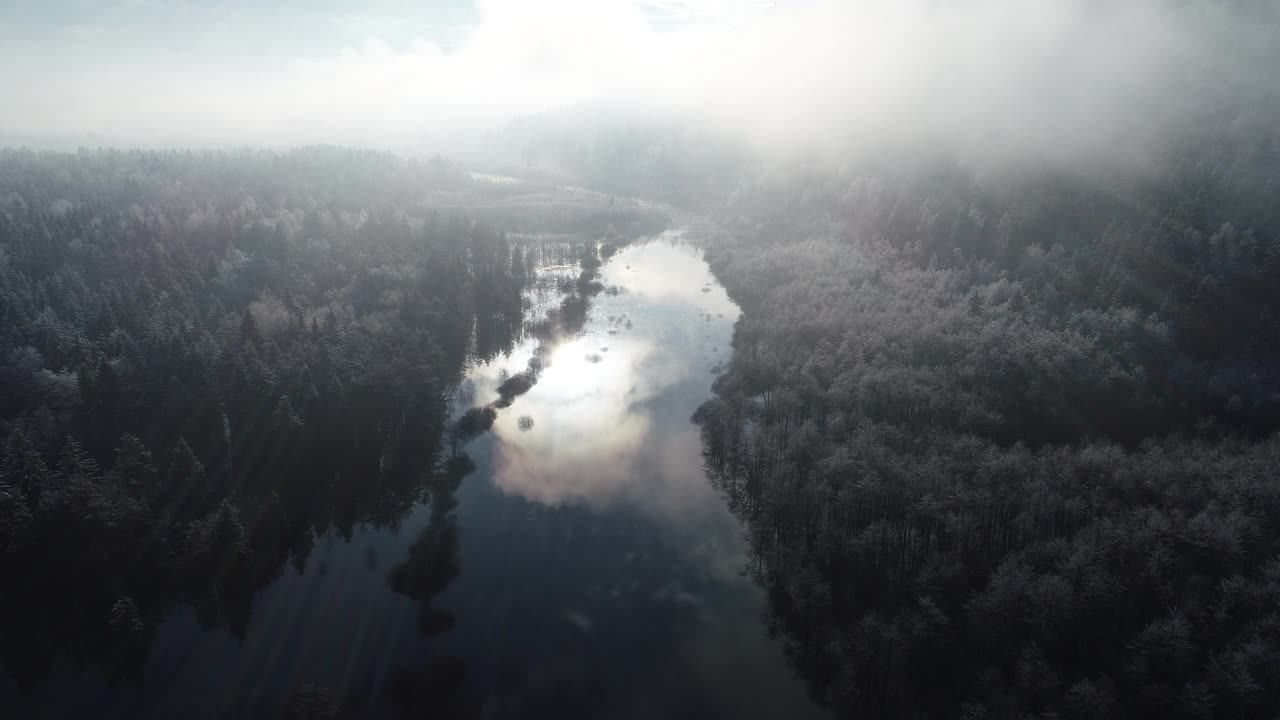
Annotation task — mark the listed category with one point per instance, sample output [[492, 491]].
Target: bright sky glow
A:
[[982, 78], [296, 72]]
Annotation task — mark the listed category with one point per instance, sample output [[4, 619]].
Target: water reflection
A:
[[602, 571], [670, 274], [587, 430], [611, 403]]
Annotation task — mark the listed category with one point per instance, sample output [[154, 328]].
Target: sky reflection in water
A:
[[619, 590], [611, 407]]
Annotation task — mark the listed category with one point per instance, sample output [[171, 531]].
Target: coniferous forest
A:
[[1002, 447], [1006, 446], [209, 360]]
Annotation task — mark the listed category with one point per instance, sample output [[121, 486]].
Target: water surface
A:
[[600, 568]]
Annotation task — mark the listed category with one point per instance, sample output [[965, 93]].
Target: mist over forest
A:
[[640, 358]]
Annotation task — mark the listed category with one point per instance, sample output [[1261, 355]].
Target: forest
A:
[[1003, 445], [209, 360], [1005, 442], [998, 437]]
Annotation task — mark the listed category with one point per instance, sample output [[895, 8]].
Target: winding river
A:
[[597, 571]]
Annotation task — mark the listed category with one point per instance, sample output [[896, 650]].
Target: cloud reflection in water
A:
[[613, 425]]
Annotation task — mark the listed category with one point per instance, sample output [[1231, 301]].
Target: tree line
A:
[[208, 360], [1004, 445]]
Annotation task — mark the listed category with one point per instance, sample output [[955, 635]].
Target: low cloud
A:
[[1054, 79]]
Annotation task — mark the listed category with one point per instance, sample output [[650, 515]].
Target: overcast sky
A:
[[301, 71], [1077, 77]]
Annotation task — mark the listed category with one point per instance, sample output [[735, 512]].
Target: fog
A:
[[990, 79]]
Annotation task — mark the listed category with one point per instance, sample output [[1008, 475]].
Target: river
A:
[[591, 568]]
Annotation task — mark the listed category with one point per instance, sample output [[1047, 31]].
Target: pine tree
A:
[[15, 517], [76, 463], [133, 467], [184, 480], [249, 329], [23, 468]]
